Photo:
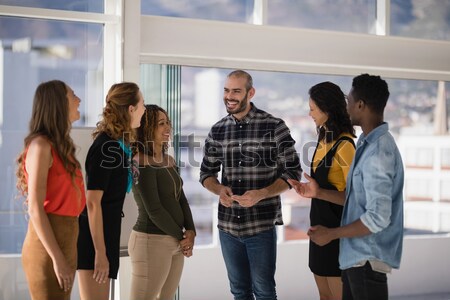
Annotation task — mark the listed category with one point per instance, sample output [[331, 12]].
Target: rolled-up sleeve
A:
[[211, 162], [379, 171], [288, 162]]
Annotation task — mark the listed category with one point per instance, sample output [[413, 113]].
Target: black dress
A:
[[324, 260], [106, 170]]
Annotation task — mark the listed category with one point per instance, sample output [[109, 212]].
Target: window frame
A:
[[111, 19]]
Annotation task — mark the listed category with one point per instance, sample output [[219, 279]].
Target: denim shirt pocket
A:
[[358, 181]]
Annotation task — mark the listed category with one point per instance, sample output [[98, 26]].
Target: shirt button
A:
[[239, 180], [239, 217], [240, 126]]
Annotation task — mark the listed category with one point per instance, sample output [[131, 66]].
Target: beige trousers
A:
[[157, 263], [38, 265]]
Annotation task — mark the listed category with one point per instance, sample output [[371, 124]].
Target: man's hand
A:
[[250, 198], [320, 235], [225, 196]]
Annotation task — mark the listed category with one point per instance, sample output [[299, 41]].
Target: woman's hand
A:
[[187, 253], [64, 274], [101, 268], [305, 189], [187, 243]]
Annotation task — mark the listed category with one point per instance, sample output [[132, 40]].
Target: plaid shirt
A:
[[253, 153]]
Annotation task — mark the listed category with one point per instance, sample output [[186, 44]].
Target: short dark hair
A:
[[372, 90], [243, 74], [330, 99]]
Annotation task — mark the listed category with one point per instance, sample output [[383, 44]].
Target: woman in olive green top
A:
[[164, 231]]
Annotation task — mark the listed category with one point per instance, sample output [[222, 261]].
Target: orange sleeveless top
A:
[[62, 197]]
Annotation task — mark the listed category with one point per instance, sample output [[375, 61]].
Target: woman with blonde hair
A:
[[49, 175], [164, 231], [109, 175]]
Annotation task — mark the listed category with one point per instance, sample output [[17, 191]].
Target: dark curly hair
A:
[[146, 132], [372, 90], [330, 99]]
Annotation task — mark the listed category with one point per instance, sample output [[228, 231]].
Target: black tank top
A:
[[324, 260]]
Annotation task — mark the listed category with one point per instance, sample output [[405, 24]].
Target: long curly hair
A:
[[146, 132], [116, 119], [331, 100], [50, 119]]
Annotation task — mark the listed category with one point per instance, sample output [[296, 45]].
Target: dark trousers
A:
[[363, 283]]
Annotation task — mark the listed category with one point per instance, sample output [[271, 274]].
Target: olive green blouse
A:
[[162, 205]]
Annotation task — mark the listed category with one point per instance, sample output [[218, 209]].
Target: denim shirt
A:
[[374, 194]]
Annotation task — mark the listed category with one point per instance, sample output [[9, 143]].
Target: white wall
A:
[[425, 268]]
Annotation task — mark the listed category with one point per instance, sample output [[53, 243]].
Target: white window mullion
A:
[[132, 43], [259, 16], [113, 46], [383, 19]]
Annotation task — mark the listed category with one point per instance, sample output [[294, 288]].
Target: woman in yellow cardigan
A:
[[329, 167]]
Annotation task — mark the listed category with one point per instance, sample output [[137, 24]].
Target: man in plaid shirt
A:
[[256, 153]]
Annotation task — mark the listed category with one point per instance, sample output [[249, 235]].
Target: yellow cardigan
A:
[[341, 161]]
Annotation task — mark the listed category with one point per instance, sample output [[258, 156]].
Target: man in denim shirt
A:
[[371, 232]]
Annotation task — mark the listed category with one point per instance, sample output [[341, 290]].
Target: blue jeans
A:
[[250, 263], [362, 283]]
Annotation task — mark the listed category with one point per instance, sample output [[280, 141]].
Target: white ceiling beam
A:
[[234, 45]]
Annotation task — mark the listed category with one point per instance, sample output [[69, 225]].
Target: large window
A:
[[220, 10], [72, 5], [410, 113], [424, 19], [339, 15], [33, 51]]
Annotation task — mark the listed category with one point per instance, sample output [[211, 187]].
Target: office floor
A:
[[443, 296]]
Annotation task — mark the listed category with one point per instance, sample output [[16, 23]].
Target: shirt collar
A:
[[374, 134]]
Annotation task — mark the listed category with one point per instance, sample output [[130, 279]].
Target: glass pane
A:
[[73, 5], [339, 15], [222, 10], [445, 159], [410, 112], [418, 189], [151, 84], [411, 106], [33, 51], [445, 190], [416, 157], [427, 19]]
